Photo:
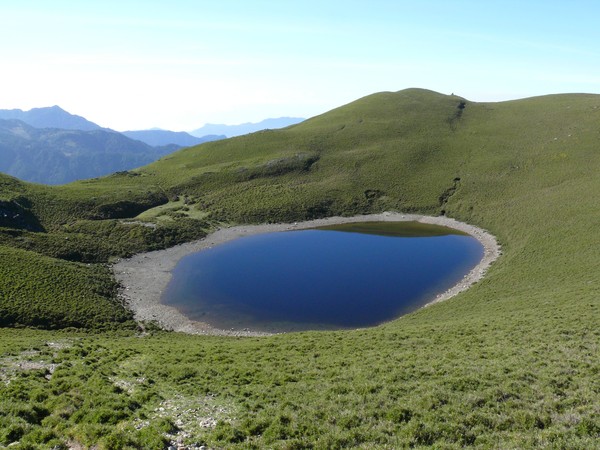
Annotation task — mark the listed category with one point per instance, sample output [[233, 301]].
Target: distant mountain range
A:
[[51, 117], [245, 128], [57, 156], [52, 146], [165, 137]]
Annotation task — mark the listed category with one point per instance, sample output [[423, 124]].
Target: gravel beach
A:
[[144, 277]]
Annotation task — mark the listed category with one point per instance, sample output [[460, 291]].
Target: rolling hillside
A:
[[510, 363]]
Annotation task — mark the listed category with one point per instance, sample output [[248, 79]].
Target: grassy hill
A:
[[510, 363]]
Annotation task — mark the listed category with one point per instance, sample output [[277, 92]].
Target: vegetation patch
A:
[[16, 214], [180, 207]]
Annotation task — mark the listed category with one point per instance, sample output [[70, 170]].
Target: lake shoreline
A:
[[144, 277]]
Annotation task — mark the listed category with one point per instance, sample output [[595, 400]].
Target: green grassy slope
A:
[[510, 363]]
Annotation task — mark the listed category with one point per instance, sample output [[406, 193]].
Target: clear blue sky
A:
[[178, 64]]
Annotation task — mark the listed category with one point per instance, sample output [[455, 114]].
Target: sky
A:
[[179, 64]]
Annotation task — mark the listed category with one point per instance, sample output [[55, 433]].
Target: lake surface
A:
[[345, 276]]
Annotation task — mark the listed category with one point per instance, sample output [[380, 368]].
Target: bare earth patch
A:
[[144, 277], [10, 366]]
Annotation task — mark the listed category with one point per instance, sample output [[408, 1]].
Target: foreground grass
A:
[[452, 382], [510, 363]]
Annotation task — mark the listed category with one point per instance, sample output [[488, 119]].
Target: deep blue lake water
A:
[[346, 277]]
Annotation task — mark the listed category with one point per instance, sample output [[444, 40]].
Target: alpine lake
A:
[[346, 276]]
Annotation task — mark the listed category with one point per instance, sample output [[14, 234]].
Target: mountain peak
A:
[[50, 117]]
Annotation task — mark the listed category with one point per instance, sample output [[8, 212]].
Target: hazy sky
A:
[[178, 64]]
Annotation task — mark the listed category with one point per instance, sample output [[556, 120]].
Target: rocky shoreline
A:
[[144, 277]]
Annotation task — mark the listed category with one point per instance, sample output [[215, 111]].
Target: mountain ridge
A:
[[50, 117], [46, 162], [165, 137], [58, 156], [245, 128]]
